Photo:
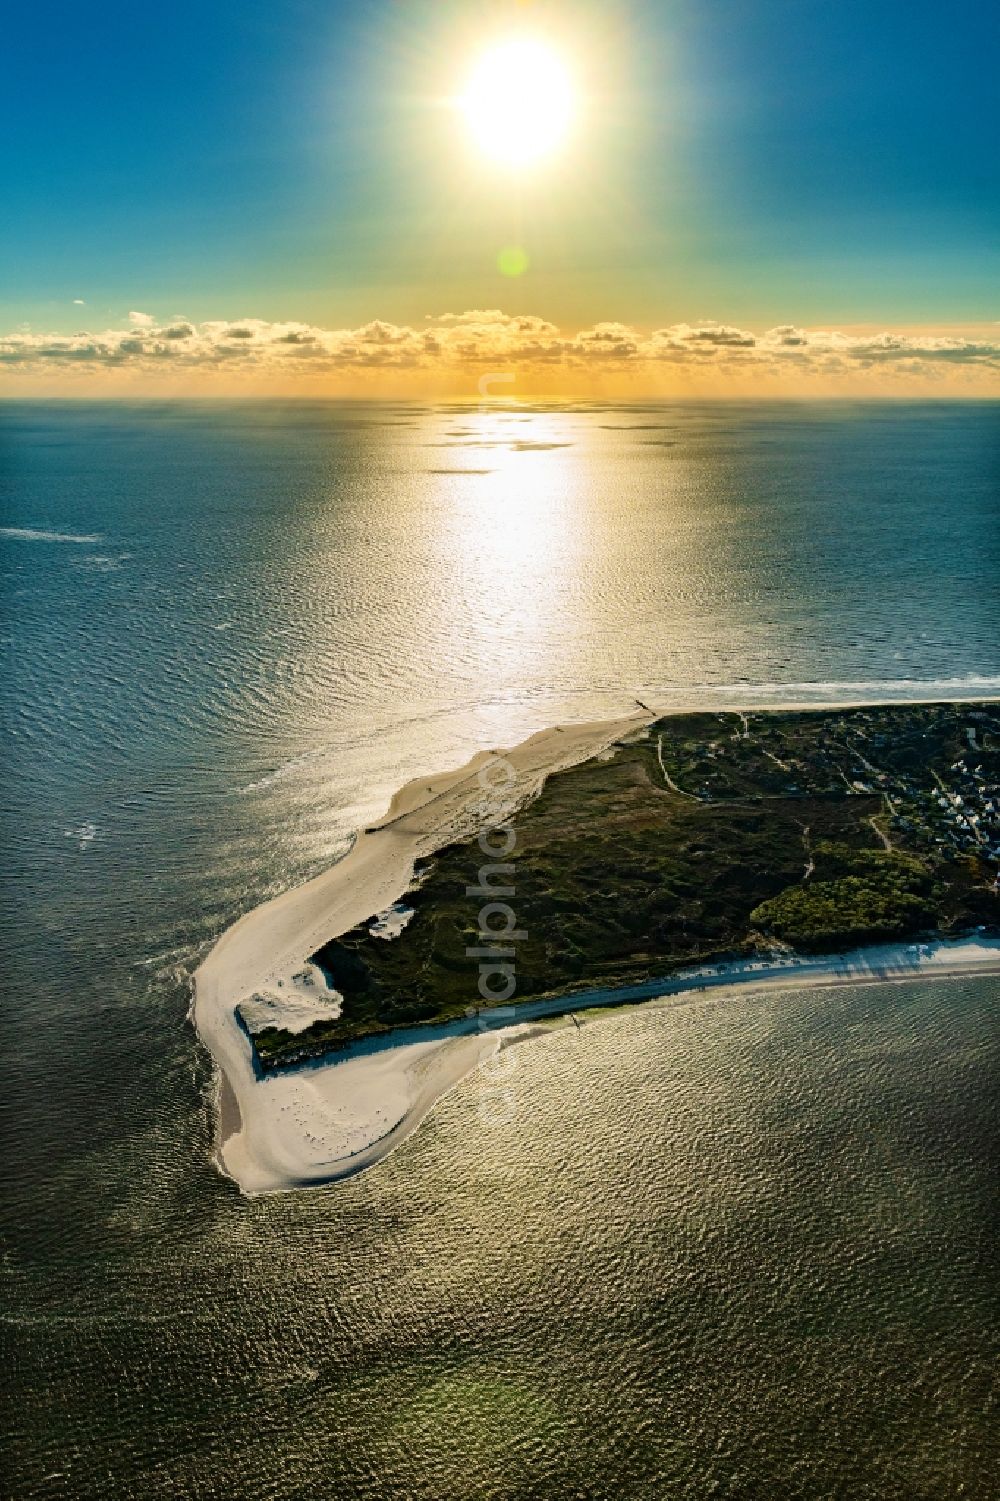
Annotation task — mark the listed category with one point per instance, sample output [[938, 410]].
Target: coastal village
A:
[[930, 803]]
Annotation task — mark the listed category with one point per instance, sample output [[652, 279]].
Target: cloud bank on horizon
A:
[[452, 345]]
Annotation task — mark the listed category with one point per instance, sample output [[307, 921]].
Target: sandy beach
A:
[[318, 1123]]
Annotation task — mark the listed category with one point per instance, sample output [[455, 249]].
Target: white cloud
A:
[[479, 337], [79, 302]]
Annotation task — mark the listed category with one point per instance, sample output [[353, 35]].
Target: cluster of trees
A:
[[867, 897]]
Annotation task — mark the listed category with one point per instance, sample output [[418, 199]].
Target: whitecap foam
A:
[[84, 835], [102, 562], [866, 690], [34, 534]]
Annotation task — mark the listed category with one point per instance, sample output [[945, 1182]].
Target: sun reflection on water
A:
[[515, 532]]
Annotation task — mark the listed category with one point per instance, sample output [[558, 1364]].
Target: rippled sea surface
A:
[[737, 1247]]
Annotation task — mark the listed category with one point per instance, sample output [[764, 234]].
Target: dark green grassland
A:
[[773, 834]]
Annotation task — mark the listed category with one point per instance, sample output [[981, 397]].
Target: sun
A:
[[518, 102]]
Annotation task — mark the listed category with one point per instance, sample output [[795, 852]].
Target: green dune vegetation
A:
[[877, 895], [705, 837]]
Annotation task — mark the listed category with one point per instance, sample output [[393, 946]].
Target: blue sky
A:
[[768, 160]]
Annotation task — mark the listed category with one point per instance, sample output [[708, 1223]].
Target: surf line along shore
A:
[[332, 1117]]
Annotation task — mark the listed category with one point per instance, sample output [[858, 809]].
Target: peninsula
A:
[[608, 863]]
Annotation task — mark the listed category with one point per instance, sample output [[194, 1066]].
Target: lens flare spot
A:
[[512, 261]]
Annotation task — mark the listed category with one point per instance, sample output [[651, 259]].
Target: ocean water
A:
[[734, 1248]]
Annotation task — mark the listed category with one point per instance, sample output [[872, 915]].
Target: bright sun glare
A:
[[518, 102]]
